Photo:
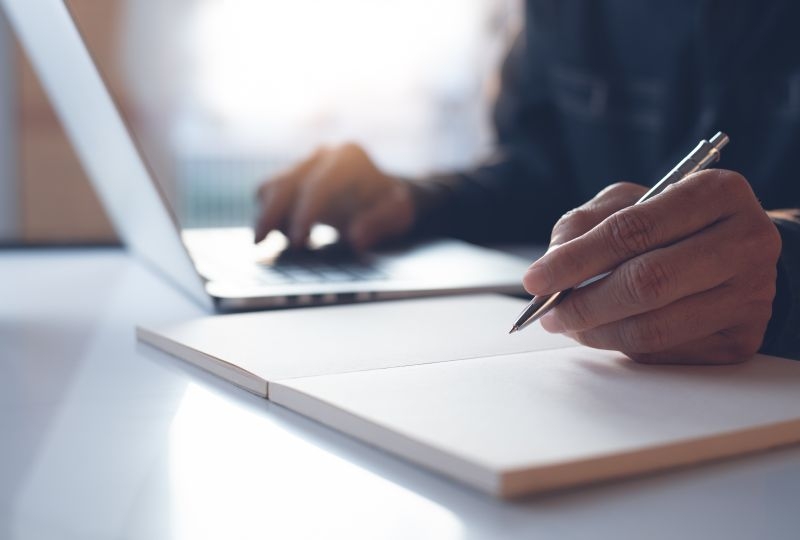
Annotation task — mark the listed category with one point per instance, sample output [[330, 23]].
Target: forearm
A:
[[783, 334], [515, 196]]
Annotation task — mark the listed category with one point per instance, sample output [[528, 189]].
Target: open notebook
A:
[[440, 383]]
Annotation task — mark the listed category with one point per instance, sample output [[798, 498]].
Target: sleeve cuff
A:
[[782, 337]]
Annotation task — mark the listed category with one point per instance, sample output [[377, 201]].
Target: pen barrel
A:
[[704, 154], [538, 306]]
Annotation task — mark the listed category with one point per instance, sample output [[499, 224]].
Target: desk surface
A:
[[103, 438]]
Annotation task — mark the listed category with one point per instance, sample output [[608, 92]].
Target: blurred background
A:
[[222, 94]]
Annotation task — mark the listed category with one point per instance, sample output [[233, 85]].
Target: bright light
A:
[[228, 92], [237, 473], [315, 64]]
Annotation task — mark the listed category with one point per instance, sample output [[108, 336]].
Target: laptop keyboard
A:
[[229, 252], [334, 263], [278, 274]]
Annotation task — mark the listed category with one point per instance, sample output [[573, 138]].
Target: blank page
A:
[[521, 423], [297, 343]]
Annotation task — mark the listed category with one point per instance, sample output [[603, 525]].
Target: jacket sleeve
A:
[[783, 333], [521, 190]]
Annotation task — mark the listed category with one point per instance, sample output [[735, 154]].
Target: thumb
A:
[[389, 217]]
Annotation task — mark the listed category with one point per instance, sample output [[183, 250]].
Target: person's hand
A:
[[693, 271], [339, 187]]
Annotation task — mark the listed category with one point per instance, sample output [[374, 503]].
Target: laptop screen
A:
[[222, 95]]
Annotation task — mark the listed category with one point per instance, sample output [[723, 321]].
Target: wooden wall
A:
[[56, 201]]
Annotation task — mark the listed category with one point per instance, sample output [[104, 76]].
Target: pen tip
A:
[[513, 329]]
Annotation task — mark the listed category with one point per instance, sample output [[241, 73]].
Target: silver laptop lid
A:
[[102, 140]]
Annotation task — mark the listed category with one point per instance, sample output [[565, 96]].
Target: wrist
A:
[[429, 196]]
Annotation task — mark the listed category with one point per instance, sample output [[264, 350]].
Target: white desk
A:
[[103, 438]]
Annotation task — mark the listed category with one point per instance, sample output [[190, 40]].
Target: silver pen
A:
[[706, 153]]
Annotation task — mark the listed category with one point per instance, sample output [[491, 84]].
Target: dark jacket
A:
[[595, 92]]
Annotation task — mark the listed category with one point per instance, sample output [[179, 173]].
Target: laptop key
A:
[[334, 274], [304, 277], [365, 273], [268, 276]]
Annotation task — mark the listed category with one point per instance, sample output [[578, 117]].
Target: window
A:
[[223, 94]]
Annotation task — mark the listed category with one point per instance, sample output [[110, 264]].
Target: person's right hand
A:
[[340, 187]]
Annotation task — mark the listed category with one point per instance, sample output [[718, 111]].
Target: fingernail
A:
[[552, 323], [537, 278]]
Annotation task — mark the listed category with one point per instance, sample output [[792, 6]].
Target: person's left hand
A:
[[693, 271]]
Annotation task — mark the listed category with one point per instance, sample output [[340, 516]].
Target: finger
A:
[[277, 195], [275, 203], [312, 198], [388, 218], [652, 281], [334, 170], [681, 210], [689, 319], [585, 217]]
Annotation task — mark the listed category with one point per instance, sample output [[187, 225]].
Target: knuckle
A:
[[769, 240], [571, 224], [312, 158], [271, 195], [283, 180], [351, 150], [713, 179], [740, 346], [734, 186], [762, 285], [734, 182], [630, 232], [762, 243], [620, 188], [645, 282]]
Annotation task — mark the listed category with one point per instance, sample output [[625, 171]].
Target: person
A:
[[593, 92]]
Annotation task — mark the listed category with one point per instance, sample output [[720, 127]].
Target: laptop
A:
[[220, 267]]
